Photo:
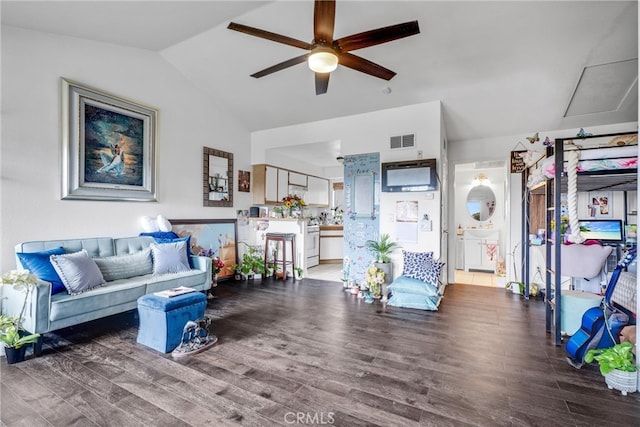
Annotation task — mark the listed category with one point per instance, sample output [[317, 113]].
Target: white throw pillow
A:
[[169, 257], [125, 266], [163, 223], [78, 271], [148, 224]]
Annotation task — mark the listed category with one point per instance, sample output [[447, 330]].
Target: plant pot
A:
[[387, 267], [623, 381], [15, 355]]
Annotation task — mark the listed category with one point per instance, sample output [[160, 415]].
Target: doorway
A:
[[481, 223]]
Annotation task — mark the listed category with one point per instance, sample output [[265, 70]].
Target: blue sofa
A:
[[46, 312]]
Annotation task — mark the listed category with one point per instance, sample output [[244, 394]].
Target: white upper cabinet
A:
[[297, 179], [317, 191]]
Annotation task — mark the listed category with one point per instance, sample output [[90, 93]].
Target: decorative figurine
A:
[[195, 338], [534, 138]]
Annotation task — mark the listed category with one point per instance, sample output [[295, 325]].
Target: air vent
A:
[[402, 141]]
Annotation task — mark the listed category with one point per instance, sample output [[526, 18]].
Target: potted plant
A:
[[12, 334], [252, 263], [298, 272], [616, 365], [375, 278], [382, 249]]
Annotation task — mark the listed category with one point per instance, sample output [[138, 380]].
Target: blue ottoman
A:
[[162, 319]]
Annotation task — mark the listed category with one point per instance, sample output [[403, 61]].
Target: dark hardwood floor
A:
[[307, 353]]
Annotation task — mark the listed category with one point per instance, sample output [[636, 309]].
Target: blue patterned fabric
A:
[[413, 263], [38, 263]]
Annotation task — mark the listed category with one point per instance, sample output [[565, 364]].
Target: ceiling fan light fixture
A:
[[323, 60]]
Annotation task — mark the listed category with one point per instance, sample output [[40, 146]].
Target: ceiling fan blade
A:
[[324, 17], [281, 66], [322, 83], [269, 36], [378, 36], [360, 64]]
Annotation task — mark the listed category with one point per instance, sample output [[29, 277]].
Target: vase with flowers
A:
[[374, 278], [216, 264], [293, 204], [12, 335]]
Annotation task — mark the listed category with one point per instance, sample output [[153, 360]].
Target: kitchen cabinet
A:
[[331, 241], [270, 184], [297, 179], [283, 184], [480, 253], [317, 191]]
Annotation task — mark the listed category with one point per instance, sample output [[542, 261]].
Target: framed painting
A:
[[600, 204], [219, 235], [109, 146], [244, 181]]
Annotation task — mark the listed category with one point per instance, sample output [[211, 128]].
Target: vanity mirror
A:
[[217, 177], [481, 202]]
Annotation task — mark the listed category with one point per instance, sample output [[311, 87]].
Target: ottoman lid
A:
[[167, 304]]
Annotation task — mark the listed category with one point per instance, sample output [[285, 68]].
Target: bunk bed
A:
[[590, 163]]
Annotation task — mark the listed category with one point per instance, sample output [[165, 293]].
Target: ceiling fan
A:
[[325, 52]]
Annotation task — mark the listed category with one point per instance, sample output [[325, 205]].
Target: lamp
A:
[[323, 60], [480, 179]]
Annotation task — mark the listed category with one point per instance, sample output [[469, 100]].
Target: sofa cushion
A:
[[38, 263], [78, 272], [404, 284], [169, 257], [112, 294], [125, 266]]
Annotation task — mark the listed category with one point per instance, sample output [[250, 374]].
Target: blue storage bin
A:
[[162, 319]]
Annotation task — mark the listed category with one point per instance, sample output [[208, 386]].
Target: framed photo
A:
[[244, 181], [600, 204], [109, 146], [220, 235]]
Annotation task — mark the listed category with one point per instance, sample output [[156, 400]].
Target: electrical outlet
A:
[[419, 154]]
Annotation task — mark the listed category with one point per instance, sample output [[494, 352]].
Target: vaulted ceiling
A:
[[499, 68]]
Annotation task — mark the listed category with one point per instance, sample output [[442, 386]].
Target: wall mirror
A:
[[217, 177], [481, 202], [363, 192]]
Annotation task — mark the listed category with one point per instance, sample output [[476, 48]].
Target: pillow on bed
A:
[[404, 284], [78, 271], [413, 263]]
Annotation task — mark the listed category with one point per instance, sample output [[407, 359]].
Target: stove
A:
[[312, 245]]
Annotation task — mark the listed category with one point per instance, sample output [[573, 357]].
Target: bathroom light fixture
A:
[[323, 60], [340, 159], [480, 179]]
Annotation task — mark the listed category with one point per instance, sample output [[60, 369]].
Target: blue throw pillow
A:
[[409, 285], [419, 302], [413, 263], [39, 263]]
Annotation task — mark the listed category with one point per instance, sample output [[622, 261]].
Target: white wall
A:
[[498, 148], [32, 65], [370, 132]]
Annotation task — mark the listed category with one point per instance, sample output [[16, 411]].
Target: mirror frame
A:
[[206, 152]]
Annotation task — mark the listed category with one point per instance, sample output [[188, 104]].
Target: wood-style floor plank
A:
[[309, 353]]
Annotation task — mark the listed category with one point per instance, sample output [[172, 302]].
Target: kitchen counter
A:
[[331, 227]]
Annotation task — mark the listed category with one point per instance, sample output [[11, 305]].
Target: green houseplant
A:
[[12, 335], [616, 365], [382, 249]]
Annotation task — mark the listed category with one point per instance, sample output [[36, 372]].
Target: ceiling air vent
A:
[[402, 141]]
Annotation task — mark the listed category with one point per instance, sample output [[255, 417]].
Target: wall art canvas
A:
[[220, 235], [109, 146], [600, 204]]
